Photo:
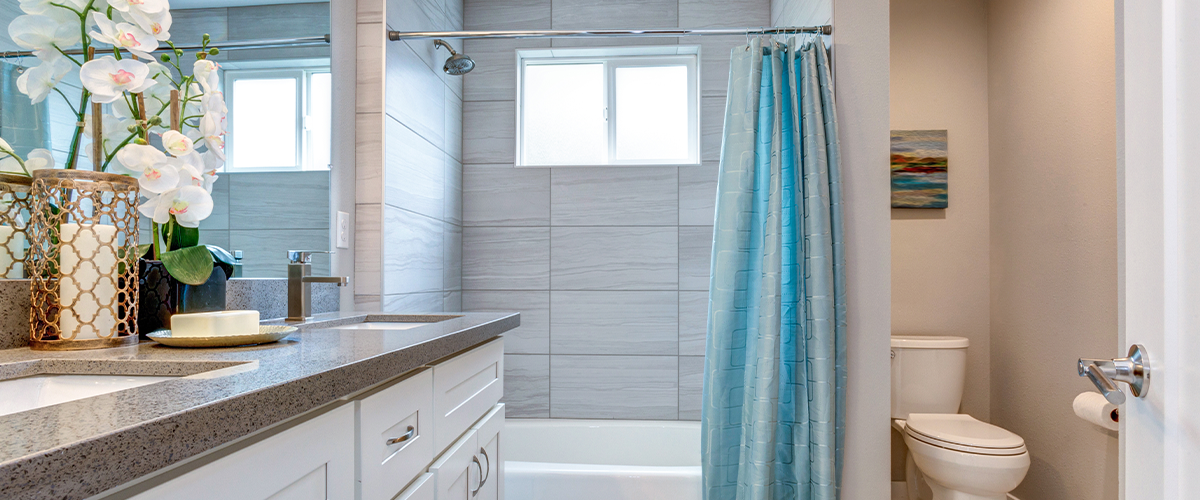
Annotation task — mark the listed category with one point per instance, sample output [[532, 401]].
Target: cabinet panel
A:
[[456, 473], [421, 489], [488, 434], [401, 415], [314, 460], [464, 388]]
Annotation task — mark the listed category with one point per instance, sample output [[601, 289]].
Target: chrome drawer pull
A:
[[407, 435], [475, 460]]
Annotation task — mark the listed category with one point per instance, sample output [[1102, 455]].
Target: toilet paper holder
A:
[[1132, 370]]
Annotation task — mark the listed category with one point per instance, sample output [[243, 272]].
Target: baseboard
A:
[[899, 490]]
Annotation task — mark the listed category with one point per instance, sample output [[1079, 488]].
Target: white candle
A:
[[87, 287], [16, 251]]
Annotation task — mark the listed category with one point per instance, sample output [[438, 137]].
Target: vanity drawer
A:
[[465, 388], [421, 489], [396, 435]]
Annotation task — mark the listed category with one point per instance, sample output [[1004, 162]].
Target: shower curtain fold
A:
[[774, 391]]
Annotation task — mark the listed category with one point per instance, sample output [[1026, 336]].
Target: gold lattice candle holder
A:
[[83, 235], [15, 203]]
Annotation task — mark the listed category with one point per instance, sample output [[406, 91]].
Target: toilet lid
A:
[[963, 433]]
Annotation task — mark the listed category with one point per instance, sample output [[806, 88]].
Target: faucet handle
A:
[[304, 256]]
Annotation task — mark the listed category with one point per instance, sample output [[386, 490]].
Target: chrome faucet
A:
[[300, 282]]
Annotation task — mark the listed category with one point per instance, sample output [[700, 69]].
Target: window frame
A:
[[613, 58], [302, 75]]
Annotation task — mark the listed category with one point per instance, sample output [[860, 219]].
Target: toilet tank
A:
[[928, 374]]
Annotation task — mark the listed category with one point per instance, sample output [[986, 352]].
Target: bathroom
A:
[[502, 307]]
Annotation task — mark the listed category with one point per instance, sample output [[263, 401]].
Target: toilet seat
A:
[[964, 434]]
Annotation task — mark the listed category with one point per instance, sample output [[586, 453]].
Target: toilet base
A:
[[942, 493]]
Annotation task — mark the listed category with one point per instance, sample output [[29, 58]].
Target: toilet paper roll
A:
[[1094, 408]]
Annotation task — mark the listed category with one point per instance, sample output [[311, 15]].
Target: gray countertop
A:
[[81, 448]]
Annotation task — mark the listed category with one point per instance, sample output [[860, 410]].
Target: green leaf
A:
[[144, 251], [181, 237], [191, 265], [223, 259]]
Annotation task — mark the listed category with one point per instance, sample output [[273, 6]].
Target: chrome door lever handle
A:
[[1132, 370]]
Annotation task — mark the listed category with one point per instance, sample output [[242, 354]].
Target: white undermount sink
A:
[[28, 393], [380, 325]]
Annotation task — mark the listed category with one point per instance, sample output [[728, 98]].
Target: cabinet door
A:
[[312, 461], [421, 489], [465, 388], [456, 473], [396, 435], [488, 433]]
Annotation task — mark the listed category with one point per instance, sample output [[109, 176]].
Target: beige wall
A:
[[1052, 126]]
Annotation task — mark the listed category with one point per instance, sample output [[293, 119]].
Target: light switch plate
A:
[[343, 230]]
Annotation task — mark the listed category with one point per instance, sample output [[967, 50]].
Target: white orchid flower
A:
[[214, 135], [39, 159], [10, 165], [43, 6], [212, 162], [214, 103], [176, 143], [158, 24], [5, 147], [39, 81], [205, 72], [189, 205], [145, 6], [124, 35], [114, 129], [43, 35], [108, 79], [154, 172]]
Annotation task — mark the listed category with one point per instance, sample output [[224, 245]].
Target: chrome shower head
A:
[[457, 64]]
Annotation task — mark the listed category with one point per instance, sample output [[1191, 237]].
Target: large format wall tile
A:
[[614, 14], [526, 385], [279, 200], [614, 258], [506, 258], [416, 172], [724, 13], [500, 195], [506, 15], [691, 386], [614, 196], [412, 253], [490, 125], [264, 251], [495, 75], [698, 194], [624, 387], [421, 15], [427, 302], [454, 125], [368, 157], [695, 257], [712, 127], [451, 257], [453, 212], [415, 95], [693, 323], [533, 336], [219, 218], [614, 323], [368, 249]]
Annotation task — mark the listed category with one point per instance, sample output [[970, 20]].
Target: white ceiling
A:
[[209, 4]]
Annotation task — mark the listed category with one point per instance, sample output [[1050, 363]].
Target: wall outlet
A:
[[343, 230]]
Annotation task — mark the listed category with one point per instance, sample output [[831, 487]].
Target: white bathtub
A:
[[601, 460]]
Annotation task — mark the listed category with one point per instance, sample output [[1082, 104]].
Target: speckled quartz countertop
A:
[[81, 448]]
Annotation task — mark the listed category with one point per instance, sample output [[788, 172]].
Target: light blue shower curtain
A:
[[774, 388]]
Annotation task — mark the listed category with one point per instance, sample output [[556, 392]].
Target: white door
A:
[[1158, 65]]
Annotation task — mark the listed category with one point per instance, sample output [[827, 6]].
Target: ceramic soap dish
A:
[[266, 334]]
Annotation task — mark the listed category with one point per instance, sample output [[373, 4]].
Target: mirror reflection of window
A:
[[279, 120]]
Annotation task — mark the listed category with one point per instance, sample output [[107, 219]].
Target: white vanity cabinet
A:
[[311, 461], [431, 434]]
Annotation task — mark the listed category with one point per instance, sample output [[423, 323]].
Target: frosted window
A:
[[652, 113], [564, 122], [265, 120], [319, 125]]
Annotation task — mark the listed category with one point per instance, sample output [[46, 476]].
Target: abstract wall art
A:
[[919, 169]]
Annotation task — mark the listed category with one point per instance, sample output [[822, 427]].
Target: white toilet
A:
[[951, 456]]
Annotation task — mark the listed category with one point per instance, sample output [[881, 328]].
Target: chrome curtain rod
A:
[[309, 41], [668, 32]]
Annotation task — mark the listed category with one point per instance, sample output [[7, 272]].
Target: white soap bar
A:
[[214, 324]]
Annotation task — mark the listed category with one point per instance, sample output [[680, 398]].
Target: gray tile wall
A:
[[608, 266], [409, 161]]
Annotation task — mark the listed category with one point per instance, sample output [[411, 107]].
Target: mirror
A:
[[272, 192]]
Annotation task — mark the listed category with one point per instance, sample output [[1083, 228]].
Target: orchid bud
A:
[[139, 141], [207, 38], [213, 51], [178, 52], [133, 129], [165, 58], [155, 120]]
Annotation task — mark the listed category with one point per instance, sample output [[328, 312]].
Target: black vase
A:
[[162, 295]]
